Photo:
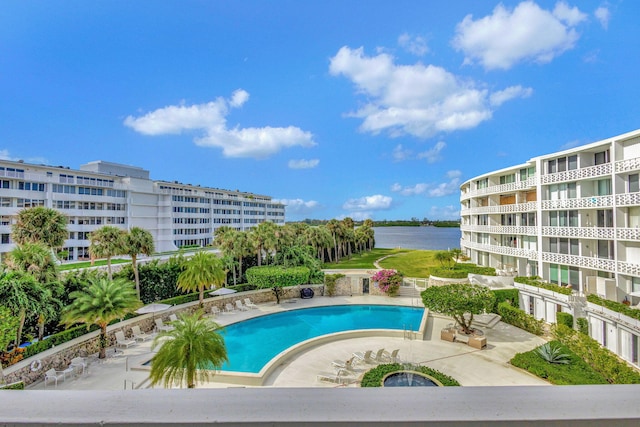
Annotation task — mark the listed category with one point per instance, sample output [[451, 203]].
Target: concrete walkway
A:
[[471, 367]]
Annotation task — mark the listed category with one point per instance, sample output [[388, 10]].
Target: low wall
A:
[[60, 356], [441, 281], [493, 282]]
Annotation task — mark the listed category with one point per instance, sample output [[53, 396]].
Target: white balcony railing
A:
[[584, 232], [628, 199], [583, 202], [500, 229], [580, 261], [578, 174], [503, 250], [512, 208], [628, 233], [530, 183], [543, 292], [628, 268], [627, 165]]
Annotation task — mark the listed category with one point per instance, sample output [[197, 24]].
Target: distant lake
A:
[[417, 237]]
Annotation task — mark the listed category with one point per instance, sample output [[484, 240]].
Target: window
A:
[[507, 179], [604, 187], [482, 183], [528, 219], [562, 164], [601, 157], [635, 284], [605, 218], [634, 185], [551, 166], [564, 275], [5, 239], [605, 249]]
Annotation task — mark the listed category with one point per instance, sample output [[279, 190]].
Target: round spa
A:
[[409, 379]]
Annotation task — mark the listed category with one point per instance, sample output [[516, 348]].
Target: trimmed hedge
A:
[[583, 325], [461, 271], [576, 372], [373, 377], [535, 281], [597, 357], [277, 276], [512, 296], [618, 307], [518, 318], [564, 319], [13, 386]]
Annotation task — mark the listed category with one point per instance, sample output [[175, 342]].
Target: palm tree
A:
[[263, 238], [334, 228], [137, 241], [202, 269], [35, 259], [189, 353], [106, 242], [40, 225], [101, 302], [22, 294]]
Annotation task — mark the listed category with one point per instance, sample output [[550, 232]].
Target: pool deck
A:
[[471, 367]]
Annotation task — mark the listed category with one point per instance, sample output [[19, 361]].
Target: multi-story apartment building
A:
[[571, 217], [103, 193]]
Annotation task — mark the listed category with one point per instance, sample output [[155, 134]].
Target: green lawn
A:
[[85, 264], [412, 263]]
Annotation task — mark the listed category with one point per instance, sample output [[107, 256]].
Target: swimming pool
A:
[[251, 344]]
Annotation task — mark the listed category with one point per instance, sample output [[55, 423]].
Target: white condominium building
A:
[[103, 193], [571, 217]]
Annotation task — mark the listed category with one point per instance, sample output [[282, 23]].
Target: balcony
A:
[[628, 268], [627, 165], [503, 250], [501, 188], [593, 202], [578, 174], [628, 233], [512, 208], [501, 229], [580, 261], [580, 232], [628, 199]]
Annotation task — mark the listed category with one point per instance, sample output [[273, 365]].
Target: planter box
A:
[[447, 335], [477, 342]]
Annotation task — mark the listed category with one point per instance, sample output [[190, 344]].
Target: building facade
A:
[[571, 217], [103, 193]]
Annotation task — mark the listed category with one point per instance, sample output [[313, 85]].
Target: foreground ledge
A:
[[456, 406]]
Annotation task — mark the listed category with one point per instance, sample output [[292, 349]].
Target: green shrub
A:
[[536, 281], [583, 325], [615, 306], [243, 287], [13, 386], [373, 377], [447, 273], [277, 276], [576, 372], [330, 283], [518, 318], [553, 354], [512, 296], [564, 319], [181, 299], [599, 358]]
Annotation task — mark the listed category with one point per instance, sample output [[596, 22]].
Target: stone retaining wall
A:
[[60, 356]]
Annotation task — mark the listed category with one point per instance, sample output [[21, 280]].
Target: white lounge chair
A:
[[77, 363], [344, 365], [160, 326], [228, 308], [215, 310], [240, 306], [53, 375], [249, 303], [121, 341], [364, 356], [391, 357], [173, 318], [138, 335], [334, 378]]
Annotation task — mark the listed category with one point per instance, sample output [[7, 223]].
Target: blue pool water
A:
[[251, 344]]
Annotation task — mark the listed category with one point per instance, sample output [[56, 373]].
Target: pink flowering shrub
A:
[[388, 281]]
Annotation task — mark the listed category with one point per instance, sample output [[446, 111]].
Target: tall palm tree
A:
[[101, 302], [35, 259], [334, 228], [263, 238], [40, 225], [201, 270], [137, 241], [22, 294], [190, 353], [105, 242]]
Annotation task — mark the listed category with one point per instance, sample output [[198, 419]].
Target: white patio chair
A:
[[53, 375], [240, 306], [121, 341], [78, 363], [228, 308], [215, 310], [160, 326], [249, 303], [173, 318], [138, 335]]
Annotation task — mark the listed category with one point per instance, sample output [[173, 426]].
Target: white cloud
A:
[[303, 164], [451, 186], [368, 203], [5, 155], [500, 97], [358, 216], [400, 154], [527, 32], [603, 15], [416, 45], [210, 118], [419, 100], [433, 155], [298, 206]]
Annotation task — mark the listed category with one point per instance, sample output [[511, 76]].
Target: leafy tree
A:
[[8, 327], [458, 299], [189, 353], [40, 225], [23, 295], [101, 302], [105, 242], [201, 270], [137, 241], [444, 258]]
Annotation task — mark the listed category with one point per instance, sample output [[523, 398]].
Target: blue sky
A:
[[367, 109]]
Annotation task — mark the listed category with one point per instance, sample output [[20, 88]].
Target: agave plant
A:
[[552, 354]]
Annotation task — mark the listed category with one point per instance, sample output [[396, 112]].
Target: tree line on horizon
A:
[[413, 222]]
